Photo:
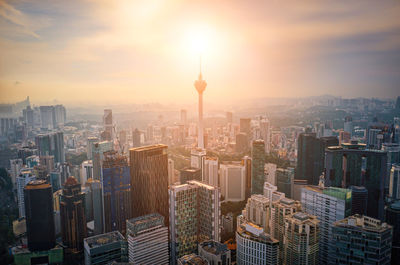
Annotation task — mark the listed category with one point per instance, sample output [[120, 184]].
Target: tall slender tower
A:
[[200, 86]]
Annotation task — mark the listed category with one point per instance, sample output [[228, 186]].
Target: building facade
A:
[[257, 166]]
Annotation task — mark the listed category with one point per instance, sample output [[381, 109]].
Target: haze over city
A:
[[148, 51]]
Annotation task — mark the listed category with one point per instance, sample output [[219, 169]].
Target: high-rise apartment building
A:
[[116, 192], [257, 211], [279, 211], [149, 179], [40, 228], [86, 171], [105, 248], [301, 239], [257, 166], [25, 176], [361, 240], [270, 173], [254, 246], [242, 142], [272, 193], [89, 146], [328, 205], [298, 185], [233, 182], [210, 170], [73, 217], [215, 252], [197, 156], [147, 240], [284, 181], [265, 133], [194, 216], [47, 117], [353, 165], [15, 167]]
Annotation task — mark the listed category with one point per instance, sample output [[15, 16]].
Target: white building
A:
[[233, 182], [257, 211], [254, 246], [210, 170], [86, 171], [328, 205], [197, 158], [272, 193], [25, 176], [270, 173], [147, 238], [16, 166]]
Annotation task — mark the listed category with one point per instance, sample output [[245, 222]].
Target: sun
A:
[[199, 39]]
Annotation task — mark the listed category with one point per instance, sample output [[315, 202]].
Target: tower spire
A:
[[200, 75]]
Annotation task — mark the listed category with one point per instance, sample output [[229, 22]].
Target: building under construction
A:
[[116, 192]]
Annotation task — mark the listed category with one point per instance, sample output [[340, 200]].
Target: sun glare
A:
[[199, 39]]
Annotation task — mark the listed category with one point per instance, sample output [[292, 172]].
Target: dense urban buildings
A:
[[147, 238], [361, 240], [215, 252]]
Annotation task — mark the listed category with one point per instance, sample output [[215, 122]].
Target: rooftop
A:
[[104, 239], [138, 224], [148, 147], [37, 184], [363, 222], [214, 247], [193, 259]]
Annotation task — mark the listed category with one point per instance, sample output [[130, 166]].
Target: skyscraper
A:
[[108, 124], [89, 146], [301, 238], [246, 162], [98, 150], [284, 181], [257, 211], [94, 204], [393, 218], [242, 142], [51, 144], [394, 186], [194, 216], [136, 138], [328, 205], [47, 117], [233, 182], [25, 176], [15, 167], [200, 86], [348, 125], [359, 200], [149, 179], [361, 240], [245, 126], [40, 228], [265, 131], [116, 192], [254, 245], [210, 170], [257, 166], [197, 156], [73, 217], [353, 165], [147, 240], [189, 173], [171, 171], [311, 156]]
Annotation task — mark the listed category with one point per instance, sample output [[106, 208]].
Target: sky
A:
[[94, 51]]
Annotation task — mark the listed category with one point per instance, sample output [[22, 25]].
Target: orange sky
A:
[[141, 51]]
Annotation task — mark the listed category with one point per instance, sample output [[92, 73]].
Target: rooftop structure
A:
[[192, 259], [215, 252]]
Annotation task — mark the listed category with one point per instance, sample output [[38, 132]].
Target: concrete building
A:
[[359, 200], [361, 240], [394, 186], [98, 151], [257, 166], [147, 240], [301, 239], [171, 172], [197, 156], [15, 167], [279, 211], [257, 211], [328, 205], [233, 182], [215, 252], [188, 174], [254, 246], [94, 204], [108, 125], [284, 181], [51, 144], [298, 185], [149, 179], [89, 146], [86, 171], [105, 248], [393, 219], [270, 173], [265, 133], [195, 216], [210, 170]]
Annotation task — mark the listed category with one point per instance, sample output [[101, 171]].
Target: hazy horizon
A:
[[127, 52]]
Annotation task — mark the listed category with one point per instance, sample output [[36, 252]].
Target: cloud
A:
[[17, 18]]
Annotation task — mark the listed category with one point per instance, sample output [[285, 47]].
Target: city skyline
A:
[[71, 51]]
